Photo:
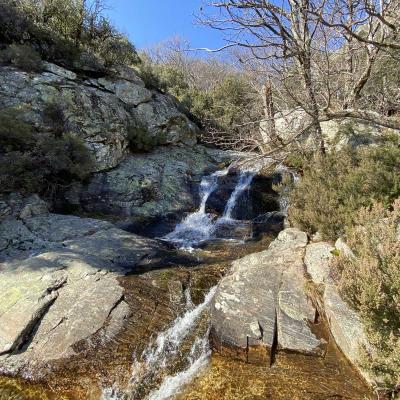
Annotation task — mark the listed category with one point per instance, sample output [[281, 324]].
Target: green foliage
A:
[[70, 32], [23, 56], [370, 282], [53, 115], [335, 186], [15, 135], [140, 139], [38, 162]]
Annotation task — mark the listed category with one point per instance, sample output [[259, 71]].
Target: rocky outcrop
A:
[[262, 302], [344, 323], [336, 133], [65, 288], [100, 111], [148, 185], [317, 259]]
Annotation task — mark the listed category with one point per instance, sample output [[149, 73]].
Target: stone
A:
[[343, 248], [99, 111], [317, 259], [263, 300], [65, 294], [146, 185], [346, 328]]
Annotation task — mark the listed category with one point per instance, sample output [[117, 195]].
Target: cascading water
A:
[[200, 225], [197, 227], [173, 359]]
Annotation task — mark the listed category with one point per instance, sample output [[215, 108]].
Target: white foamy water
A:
[[200, 225]]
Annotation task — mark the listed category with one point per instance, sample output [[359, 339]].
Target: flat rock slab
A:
[[263, 300], [62, 297]]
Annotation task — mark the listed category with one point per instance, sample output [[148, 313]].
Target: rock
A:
[[343, 248], [67, 293], [262, 301], [99, 111], [346, 328], [231, 229], [336, 133], [146, 185], [17, 206], [317, 260]]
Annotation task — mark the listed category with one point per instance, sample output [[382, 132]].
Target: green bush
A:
[[15, 135], [63, 31], [39, 162], [335, 186], [140, 139], [23, 56], [53, 115], [370, 282]]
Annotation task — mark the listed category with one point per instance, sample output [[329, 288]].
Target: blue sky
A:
[[148, 22]]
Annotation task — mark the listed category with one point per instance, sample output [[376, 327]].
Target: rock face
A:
[[262, 303], [344, 323], [147, 185], [336, 133], [58, 282], [100, 111]]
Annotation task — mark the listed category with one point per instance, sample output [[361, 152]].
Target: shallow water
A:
[[292, 376]]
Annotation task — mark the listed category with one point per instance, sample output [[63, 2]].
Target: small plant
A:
[[23, 56], [53, 115], [140, 139]]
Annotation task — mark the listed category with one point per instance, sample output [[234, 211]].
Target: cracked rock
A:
[[263, 300]]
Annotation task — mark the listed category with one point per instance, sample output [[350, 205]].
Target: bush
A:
[[38, 162], [15, 135], [371, 284], [23, 56], [53, 115], [335, 186], [140, 139]]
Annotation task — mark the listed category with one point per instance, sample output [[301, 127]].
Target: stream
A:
[[164, 350]]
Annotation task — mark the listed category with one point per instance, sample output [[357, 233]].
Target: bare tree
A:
[[320, 53]]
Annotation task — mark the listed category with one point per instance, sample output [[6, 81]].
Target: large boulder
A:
[[146, 185], [262, 302], [100, 111], [59, 284]]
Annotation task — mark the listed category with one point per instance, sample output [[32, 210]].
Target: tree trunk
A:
[[269, 112]]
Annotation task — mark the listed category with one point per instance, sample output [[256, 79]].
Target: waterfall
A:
[[245, 179], [197, 227], [200, 225]]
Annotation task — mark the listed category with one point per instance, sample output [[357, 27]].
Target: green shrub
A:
[[39, 162], [140, 139], [23, 56], [370, 282], [15, 135], [53, 115], [335, 186]]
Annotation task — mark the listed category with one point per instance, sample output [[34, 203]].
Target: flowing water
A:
[[201, 226], [164, 351]]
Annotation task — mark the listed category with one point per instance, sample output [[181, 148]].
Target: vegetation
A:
[[216, 95], [41, 162], [336, 185], [370, 282], [140, 139], [71, 32], [23, 56]]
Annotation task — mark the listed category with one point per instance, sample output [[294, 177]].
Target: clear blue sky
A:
[[148, 22]]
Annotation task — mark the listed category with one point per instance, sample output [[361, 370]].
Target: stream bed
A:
[[163, 351]]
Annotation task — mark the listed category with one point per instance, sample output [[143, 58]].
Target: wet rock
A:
[[232, 229], [53, 302], [146, 186], [262, 301], [317, 259]]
